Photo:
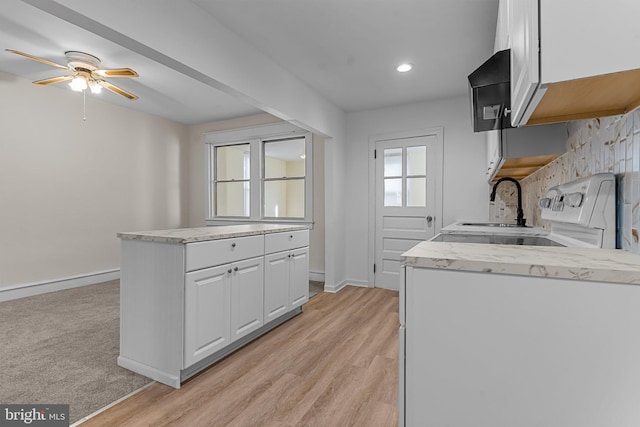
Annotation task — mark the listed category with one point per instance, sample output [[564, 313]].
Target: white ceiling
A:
[[346, 50]]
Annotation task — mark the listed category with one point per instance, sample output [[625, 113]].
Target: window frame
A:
[[257, 137], [215, 181]]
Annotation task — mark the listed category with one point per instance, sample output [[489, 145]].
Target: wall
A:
[[67, 186], [197, 178], [608, 144], [465, 192]]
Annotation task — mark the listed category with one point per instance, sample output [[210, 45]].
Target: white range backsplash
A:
[[607, 144]]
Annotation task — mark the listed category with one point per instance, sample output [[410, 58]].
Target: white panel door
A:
[[299, 276], [406, 179], [206, 312], [247, 296], [276, 285]]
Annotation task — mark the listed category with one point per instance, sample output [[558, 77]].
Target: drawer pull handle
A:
[[291, 236], [229, 271], [233, 245], [235, 269]]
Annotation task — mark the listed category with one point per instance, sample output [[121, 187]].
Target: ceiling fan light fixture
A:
[[78, 84], [86, 73], [95, 87]]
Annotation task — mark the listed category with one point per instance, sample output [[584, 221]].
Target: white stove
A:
[[582, 213]]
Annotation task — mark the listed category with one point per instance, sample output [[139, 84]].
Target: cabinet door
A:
[[276, 285], [206, 313], [494, 153], [299, 277], [525, 77], [247, 290]]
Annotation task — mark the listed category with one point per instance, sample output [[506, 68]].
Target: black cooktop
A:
[[495, 239]]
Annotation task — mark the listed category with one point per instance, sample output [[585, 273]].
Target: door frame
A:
[[438, 132]]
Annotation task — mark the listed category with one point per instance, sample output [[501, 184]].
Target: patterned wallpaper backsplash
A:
[[607, 144]]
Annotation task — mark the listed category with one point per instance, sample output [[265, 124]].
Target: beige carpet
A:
[[62, 347]]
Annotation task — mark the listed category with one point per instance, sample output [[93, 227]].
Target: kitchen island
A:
[[189, 297], [502, 335]]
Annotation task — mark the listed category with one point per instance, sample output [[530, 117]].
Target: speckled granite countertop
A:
[[202, 234], [601, 265]]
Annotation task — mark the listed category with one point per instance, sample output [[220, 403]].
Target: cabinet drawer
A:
[[216, 252], [277, 242]]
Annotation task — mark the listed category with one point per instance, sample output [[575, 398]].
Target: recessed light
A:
[[403, 68]]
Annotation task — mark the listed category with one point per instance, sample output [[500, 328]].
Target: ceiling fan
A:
[[86, 72]]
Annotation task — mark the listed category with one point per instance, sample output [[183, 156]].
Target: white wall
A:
[[67, 186], [465, 190]]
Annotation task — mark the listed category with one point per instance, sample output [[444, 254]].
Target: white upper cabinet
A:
[[572, 59], [524, 55]]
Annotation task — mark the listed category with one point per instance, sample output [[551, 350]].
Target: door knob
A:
[[429, 219]]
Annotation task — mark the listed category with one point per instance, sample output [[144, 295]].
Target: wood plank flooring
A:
[[336, 364]]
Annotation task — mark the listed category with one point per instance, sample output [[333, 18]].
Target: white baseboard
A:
[[337, 288], [358, 283], [30, 289], [316, 276], [344, 283]]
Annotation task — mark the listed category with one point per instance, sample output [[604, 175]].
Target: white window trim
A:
[[256, 136]]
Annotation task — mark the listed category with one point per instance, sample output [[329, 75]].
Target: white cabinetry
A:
[[494, 153], [247, 296], [183, 306], [222, 304], [517, 351], [286, 278], [571, 60], [523, 36], [518, 152], [207, 303]]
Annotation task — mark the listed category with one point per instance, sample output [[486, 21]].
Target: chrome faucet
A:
[[520, 220]]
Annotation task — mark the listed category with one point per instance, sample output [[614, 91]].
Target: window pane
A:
[[417, 160], [416, 191], [393, 162], [393, 192], [284, 159], [233, 162], [284, 199], [232, 198]]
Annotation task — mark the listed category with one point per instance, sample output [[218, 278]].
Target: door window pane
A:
[[393, 162], [284, 198], [416, 160], [233, 162], [232, 198], [284, 159], [393, 192], [417, 192]]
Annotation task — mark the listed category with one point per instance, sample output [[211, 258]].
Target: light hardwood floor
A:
[[336, 364]]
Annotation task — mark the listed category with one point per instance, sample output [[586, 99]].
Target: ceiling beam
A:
[[184, 37]]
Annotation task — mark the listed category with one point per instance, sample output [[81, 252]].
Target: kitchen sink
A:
[[493, 224]]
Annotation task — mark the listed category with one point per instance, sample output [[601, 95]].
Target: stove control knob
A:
[[545, 202], [574, 200]]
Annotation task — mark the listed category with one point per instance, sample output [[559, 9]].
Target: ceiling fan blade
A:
[[117, 72], [116, 89], [53, 80], [44, 61]]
